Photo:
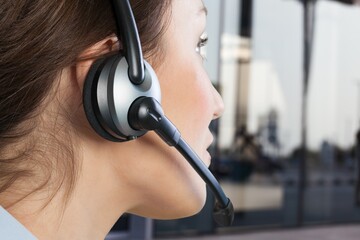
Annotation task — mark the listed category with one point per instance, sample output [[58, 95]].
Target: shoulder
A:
[[12, 229]]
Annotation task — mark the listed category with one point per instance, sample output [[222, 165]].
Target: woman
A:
[[58, 178]]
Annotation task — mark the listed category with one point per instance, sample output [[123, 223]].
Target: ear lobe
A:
[[88, 57]]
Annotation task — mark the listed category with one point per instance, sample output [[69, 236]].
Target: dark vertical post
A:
[[242, 83], [246, 18], [308, 32], [141, 228]]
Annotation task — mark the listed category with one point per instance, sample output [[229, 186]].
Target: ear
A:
[[88, 57]]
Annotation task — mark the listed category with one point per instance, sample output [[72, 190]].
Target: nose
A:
[[218, 104]]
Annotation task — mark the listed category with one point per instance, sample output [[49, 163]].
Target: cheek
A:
[[187, 99]]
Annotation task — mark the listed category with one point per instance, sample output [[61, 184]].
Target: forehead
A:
[[187, 22], [188, 14], [192, 7]]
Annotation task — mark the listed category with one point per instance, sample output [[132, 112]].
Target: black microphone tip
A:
[[224, 216]]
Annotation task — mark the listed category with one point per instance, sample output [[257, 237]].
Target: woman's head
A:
[[45, 138]]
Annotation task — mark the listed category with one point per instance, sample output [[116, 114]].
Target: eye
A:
[[202, 43]]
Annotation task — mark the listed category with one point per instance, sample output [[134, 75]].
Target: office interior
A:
[[287, 149]]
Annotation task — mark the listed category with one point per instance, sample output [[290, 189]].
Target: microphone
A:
[[146, 114]]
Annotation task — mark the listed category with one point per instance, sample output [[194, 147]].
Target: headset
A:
[[122, 98]]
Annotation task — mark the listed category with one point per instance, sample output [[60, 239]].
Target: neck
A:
[[96, 203]]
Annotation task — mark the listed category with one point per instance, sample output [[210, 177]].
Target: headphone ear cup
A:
[[91, 108], [108, 95]]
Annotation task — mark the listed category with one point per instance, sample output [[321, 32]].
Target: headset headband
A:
[[125, 23]]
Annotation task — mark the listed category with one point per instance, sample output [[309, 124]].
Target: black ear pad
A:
[[108, 95], [89, 98]]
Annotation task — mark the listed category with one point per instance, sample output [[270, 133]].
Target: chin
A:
[[192, 204], [181, 206], [195, 210], [178, 213]]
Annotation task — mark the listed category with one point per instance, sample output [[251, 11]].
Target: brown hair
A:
[[38, 39]]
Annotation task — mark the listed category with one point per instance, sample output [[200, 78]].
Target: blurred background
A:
[[287, 148]]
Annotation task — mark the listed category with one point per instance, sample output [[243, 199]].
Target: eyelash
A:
[[202, 43]]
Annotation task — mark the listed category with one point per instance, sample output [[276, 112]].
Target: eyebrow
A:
[[204, 10]]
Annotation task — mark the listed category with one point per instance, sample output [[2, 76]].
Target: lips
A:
[[207, 156], [210, 141], [207, 159]]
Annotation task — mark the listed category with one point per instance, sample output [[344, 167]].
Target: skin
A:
[[145, 176]]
